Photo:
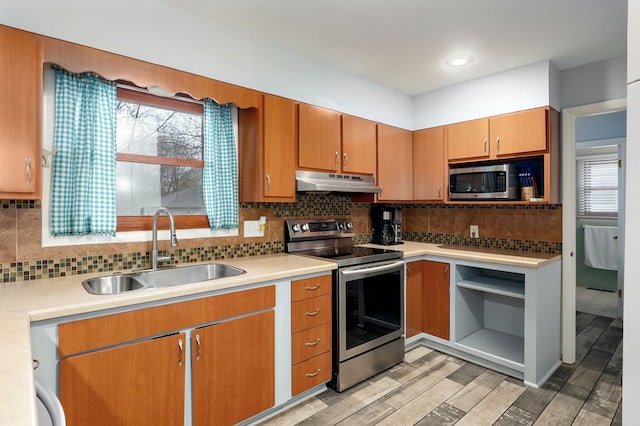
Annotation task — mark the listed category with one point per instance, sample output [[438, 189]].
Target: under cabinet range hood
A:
[[335, 182]]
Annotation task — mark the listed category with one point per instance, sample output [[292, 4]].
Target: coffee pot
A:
[[387, 225]]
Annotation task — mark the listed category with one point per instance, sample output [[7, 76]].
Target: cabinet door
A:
[[519, 133], [468, 140], [414, 299], [21, 89], [428, 164], [435, 299], [233, 369], [358, 145], [135, 384], [395, 163], [280, 125], [319, 139]]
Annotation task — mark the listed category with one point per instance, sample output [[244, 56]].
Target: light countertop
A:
[[480, 254], [25, 302]]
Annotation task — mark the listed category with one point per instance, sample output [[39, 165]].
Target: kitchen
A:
[[440, 220]]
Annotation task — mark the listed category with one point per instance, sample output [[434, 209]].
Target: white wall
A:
[[158, 33], [514, 90], [592, 83]]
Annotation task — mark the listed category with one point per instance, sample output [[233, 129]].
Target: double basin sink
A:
[[157, 278]]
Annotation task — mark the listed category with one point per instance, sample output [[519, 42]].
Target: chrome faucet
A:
[[173, 240]]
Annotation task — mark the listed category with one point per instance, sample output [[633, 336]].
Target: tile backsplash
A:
[[517, 227]]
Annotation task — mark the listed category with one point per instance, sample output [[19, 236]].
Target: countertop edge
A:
[[18, 405]]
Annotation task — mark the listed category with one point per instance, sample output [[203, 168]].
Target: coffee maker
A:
[[387, 225]]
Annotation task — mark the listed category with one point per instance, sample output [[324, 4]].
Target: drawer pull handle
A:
[[197, 347], [27, 179], [313, 374], [312, 314], [314, 288], [313, 343], [180, 352]]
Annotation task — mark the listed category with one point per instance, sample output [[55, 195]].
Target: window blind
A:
[[597, 185]]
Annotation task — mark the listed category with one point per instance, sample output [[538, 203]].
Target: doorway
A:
[[570, 116]]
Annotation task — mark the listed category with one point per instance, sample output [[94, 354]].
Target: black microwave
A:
[[496, 182]]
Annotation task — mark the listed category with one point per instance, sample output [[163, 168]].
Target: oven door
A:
[[369, 307]]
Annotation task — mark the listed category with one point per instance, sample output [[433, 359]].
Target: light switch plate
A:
[[252, 229], [473, 231]]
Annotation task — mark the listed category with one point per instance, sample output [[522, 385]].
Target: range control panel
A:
[[297, 230]]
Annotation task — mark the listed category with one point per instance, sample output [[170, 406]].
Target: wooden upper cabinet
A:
[[267, 140], [20, 109], [520, 132], [429, 164], [395, 163], [319, 139], [508, 135], [468, 140], [358, 145], [280, 138]]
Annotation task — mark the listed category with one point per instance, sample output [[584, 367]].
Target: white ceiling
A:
[[404, 44]]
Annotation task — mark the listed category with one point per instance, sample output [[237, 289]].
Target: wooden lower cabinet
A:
[[435, 298], [311, 333], [310, 373], [427, 298], [413, 320], [233, 369], [135, 384], [107, 380]]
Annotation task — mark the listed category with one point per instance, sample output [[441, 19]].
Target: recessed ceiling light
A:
[[459, 61]]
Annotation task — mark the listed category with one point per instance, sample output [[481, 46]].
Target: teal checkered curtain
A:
[[220, 174], [83, 189]]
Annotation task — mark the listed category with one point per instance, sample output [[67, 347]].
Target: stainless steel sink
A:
[[112, 284], [115, 284], [188, 274]]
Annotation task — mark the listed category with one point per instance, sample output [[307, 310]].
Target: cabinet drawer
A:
[[311, 373], [310, 287], [309, 343], [309, 313]]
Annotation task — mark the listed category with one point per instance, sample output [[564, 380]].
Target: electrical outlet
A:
[[473, 231], [252, 229]]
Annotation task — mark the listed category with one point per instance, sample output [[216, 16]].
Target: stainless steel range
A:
[[368, 297]]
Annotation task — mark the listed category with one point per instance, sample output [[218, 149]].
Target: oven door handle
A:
[[374, 268]]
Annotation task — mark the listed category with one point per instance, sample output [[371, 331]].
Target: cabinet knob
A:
[[180, 352], [312, 314], [485, 144], [337, 160], [498, 143], [268, 178], [345, 162], [312, 343]]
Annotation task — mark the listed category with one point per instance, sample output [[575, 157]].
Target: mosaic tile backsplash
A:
[[534, 228]]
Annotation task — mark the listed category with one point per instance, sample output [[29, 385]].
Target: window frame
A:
[[609, 158], [141, 96]]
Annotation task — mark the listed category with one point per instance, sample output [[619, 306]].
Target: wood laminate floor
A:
[[431, 388]]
